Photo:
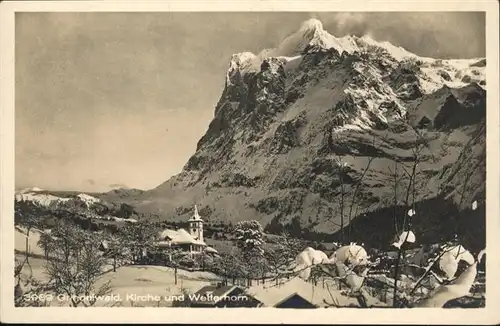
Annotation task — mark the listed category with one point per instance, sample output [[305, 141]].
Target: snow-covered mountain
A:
[[41, 199], [311, 35], [87, 199], [297, 126], [32, 190], [45, 199]]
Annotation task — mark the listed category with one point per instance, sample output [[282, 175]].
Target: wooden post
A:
[[175, 274]]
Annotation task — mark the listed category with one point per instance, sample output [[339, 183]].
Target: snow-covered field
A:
[[20, 241], [129, 283], [136, 285]]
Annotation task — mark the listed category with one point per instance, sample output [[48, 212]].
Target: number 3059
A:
[[38, 297]]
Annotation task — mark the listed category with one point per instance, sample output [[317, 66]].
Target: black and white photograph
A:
[[252, 159]]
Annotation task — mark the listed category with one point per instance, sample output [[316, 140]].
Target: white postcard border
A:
[[8, 313]]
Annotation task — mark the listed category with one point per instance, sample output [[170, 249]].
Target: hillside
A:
[[306, 129]]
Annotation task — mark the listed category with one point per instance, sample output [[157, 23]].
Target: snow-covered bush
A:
[[404, 278], [249, 235]]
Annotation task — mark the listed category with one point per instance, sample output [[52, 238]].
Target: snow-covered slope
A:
[[87, 199], [41, 199], [27, 190], [45, 199], [76, 204]]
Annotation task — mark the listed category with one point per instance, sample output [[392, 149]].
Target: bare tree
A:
[[173, 257], [27, 214], [116, 249], [30, 292], [230, 265], [26, 293], [359, 182], [140, 239], [45, 242], [420, 144], [344, 191], [395, 180], [342, 166], [282, 255], [400, 173], [76, 266], [401, 249], [467, 149]]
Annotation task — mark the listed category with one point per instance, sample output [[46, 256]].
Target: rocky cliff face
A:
[[324, 129]]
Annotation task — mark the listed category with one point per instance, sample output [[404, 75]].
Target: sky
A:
[[108, 100]]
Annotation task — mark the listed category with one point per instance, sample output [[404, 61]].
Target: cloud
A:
[[433, 34]]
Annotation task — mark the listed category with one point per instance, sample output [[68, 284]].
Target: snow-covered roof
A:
[[271, 295], [291, 296], [210, 250], [180, 236]]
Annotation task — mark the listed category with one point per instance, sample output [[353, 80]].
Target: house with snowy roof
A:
[[190, 240], [297, 293]]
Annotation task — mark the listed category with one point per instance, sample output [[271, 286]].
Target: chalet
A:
[[296, 293], [190, 240], [219, 296], [295, 301]]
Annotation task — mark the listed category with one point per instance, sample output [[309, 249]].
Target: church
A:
[[190, 240]]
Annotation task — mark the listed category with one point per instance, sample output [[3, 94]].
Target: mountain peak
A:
[[311, 32], [312, 24], [29, 190]]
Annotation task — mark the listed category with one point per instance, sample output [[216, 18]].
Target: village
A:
[[177, 267], [142, 283]]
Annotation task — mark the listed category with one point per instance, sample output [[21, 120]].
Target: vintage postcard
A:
[[339, 159]]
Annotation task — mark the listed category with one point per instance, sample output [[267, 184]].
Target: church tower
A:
[[195, 224]]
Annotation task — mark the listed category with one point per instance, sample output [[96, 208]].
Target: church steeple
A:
[[196, 225], [196, 214]]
